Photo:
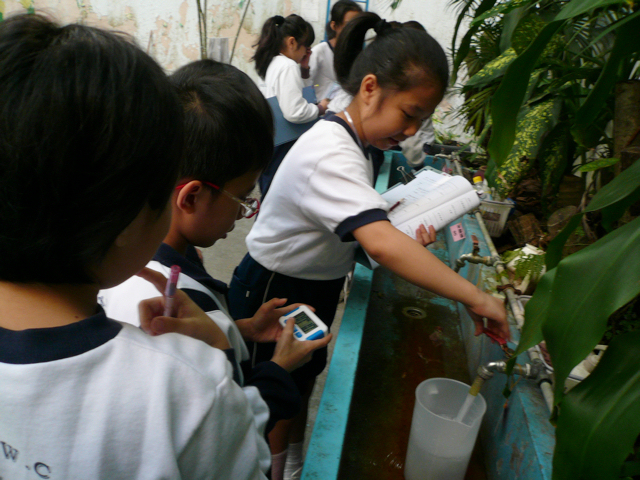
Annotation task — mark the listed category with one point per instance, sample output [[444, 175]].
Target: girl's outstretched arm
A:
[[407, 258]]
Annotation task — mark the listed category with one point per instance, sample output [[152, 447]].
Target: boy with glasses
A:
[[223, 109]]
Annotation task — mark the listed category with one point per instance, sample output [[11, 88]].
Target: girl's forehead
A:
[[423, 98]]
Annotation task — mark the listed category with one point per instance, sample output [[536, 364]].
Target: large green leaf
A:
[[613, 213], [599, 419], [554, 251], [613, 199], [598, 164], [617, 189], [536, 311], [531, 128], [492, 70], [589, 286], [627, 42]]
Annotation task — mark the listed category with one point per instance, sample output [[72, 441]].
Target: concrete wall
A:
[[168, 29]]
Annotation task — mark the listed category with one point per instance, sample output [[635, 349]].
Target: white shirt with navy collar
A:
[[284, 81], [321, 72], [322, 191], [100, 399]]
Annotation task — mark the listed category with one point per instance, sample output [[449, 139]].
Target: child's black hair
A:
[[274, 32], [90, 133], [228, 123], [338, 11], [400, 58]]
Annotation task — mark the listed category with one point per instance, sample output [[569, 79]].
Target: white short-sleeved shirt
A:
[[284, 81], [121, 303], [321, 72], [100, 399], [340, 101], [322, 191]]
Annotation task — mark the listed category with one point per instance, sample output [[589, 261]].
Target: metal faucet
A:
[[473, 257]]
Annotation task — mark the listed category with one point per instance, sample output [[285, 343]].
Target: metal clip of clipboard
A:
[[406, 176]]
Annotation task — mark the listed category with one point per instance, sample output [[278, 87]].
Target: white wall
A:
[[168, 29]]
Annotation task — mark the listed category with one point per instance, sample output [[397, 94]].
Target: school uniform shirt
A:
[[274, 384], [284, 81], [322, 191], [100, 399], [121, 302], [340, 101], [321, 72]]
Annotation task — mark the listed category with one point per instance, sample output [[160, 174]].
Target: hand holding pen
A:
[[188, 319]]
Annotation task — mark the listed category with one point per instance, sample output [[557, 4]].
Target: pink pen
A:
[[170, 290]]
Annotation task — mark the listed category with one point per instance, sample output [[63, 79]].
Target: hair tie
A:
[[279, 20], [381, 27]]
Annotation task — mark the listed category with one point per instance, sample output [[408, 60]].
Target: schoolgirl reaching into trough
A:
[[322, 201]]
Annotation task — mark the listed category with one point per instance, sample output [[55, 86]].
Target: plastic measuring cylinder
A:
[[440, 447]]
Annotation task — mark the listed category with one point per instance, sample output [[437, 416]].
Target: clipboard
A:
[[285, 131]]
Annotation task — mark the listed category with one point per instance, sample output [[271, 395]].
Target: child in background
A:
[[91, 134], [223, 107], [323, 200], [321, 74], [283, 45]]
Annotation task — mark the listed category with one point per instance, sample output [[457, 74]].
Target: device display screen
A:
[[304, 322]]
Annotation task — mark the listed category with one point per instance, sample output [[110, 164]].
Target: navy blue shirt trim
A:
[[231, 356], [192, 267], [39, 345], [332, 117], [348, 225], [278, 390]]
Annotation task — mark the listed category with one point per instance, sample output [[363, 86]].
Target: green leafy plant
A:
[[521, 55], [597, 421]]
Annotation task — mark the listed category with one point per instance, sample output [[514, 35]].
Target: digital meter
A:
[[308, 326]]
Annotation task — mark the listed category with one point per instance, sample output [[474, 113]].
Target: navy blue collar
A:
[[191, 266], [39, 345], [329, 43], [335, 118]]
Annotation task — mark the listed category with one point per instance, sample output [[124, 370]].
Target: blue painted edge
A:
[[518, 443], [325, 447]]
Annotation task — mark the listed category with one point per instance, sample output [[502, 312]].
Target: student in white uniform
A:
[[322, 200], [283, 44], [91, 135], [223, 107], [321, 73]]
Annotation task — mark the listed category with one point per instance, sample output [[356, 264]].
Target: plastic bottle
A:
[[479, 187]]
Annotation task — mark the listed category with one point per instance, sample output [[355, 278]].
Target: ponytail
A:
[[400, 57], [274, 32]]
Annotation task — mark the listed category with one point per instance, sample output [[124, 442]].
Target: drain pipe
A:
[[518, 314]]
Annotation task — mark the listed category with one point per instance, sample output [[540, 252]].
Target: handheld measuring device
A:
[[308, 326]]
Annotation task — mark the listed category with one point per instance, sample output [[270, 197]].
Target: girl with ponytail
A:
[[322, 203], [283, 44], [281, 49], [322, 75]]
